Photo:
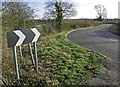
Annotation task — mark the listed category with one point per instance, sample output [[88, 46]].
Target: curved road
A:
[[98, 39]]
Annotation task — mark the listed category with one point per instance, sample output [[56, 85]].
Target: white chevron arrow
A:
[[21, 37], [37, 34]]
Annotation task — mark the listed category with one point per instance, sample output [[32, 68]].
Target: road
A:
[[99, 39]]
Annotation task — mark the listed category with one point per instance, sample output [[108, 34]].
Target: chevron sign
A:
[[22, 36]]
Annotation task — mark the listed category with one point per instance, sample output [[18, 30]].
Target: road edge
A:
[[82, 29], [86, 47], [104, 62]]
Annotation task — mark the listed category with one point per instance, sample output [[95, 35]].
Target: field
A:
[[48, 27], [60, 61]]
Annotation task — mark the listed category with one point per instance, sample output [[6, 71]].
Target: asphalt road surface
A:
[[99, 39]]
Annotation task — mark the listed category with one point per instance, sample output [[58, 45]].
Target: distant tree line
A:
[[21, 15]]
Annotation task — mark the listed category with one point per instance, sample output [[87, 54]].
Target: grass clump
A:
[[60, 63]]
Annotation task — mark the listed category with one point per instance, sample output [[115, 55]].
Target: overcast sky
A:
[[85, 8]]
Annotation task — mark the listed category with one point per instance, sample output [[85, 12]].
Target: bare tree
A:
[[59, 10], [101, 12], [16, 14]]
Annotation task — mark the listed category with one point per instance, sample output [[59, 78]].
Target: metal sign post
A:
[[16, 63], [35, 56], [23, 36], [31, 54], [20, 49]]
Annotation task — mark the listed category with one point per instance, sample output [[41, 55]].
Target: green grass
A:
[[60, 63], [114, 29]]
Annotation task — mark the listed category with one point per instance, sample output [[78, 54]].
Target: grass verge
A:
[[114, 29], [60, 63]]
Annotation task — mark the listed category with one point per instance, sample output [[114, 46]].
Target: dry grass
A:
[[48, 28]]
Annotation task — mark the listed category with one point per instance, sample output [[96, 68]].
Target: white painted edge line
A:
[[82, 29], [88, 48]]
